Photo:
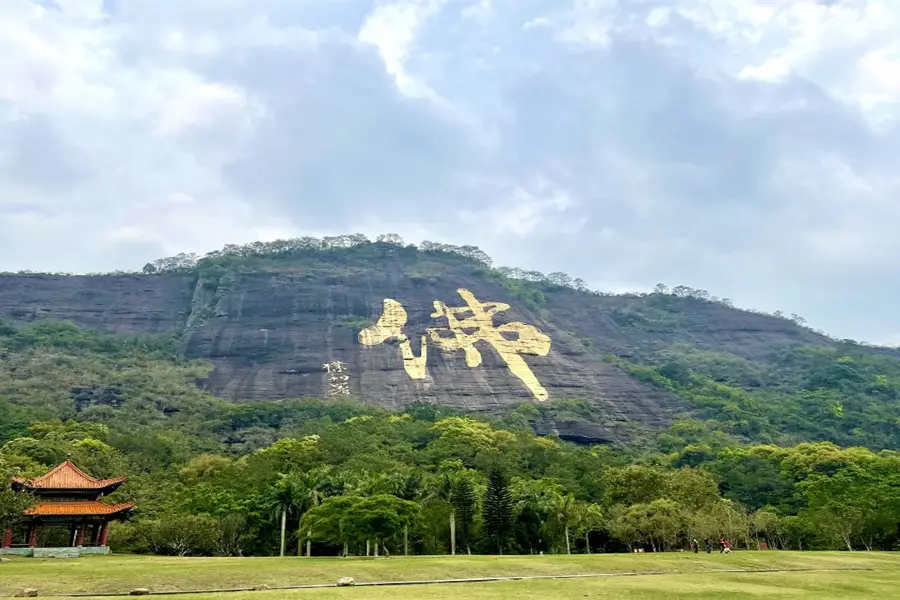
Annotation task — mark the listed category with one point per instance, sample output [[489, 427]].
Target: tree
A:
[[634, 484], [537, 503], [389, 238], [439, 494], [233, 535], [379, 518], [560, 278], [181, 535], [725, 519], [462, 497], [324, 522], [359, 519], [692, 488], [766, 523], [308, 489], [284, 498], [565, 512], [659, 523], [848, 502], [406, 486], [12, 504], [442, 490], [498, 510], [797, 532], [588, 518]]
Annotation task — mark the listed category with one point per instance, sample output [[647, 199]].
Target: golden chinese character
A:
[[526, 339], [390, 326], [509, 340]]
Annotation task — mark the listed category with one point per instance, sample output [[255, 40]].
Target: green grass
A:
[[789, 586], [768, 586], [687, 575]]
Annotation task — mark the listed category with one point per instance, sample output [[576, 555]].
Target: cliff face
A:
[[125, 304], [404, 328]]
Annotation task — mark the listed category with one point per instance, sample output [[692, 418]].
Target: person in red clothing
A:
[[726, 547]]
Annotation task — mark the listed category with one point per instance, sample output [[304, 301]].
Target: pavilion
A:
[[68, 499]]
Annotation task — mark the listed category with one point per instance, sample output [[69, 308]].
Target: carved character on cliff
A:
[[462, 334], [338, 384]]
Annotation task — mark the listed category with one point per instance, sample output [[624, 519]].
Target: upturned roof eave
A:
[[55, 509]]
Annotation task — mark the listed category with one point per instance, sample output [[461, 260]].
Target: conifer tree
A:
[[462, 496], [498, 510]]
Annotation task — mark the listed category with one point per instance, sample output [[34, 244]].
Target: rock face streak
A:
[[324, 330]]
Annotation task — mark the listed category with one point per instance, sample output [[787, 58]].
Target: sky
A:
[[749, 148]]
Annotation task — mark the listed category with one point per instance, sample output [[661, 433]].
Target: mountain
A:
[[395, 325]]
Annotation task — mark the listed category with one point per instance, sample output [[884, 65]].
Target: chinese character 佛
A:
[[510, 340]]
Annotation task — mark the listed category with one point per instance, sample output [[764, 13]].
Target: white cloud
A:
[[744, 146], [394, 28]]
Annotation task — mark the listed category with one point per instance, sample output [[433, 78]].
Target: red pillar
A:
[[95, 533], [104, 533], [7, 538], [80, 540], [32, 538]]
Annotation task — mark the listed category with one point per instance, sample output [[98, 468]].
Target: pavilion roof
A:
[[67, 477], [77, 509]]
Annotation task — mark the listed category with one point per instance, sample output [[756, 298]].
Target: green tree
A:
[[181, 535], [13, 504], [850, 503], [233, 535], [286, 497], [499, 514], [767, 524], [325, 523], [565, 512], [462, 497], [589, 518], [536, 504], [634, 484], [359, 519], [308, 489], [658, 523]]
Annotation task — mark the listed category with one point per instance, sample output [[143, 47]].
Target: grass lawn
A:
[[686, 576]]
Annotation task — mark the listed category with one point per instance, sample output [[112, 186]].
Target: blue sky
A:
[[744, 147]]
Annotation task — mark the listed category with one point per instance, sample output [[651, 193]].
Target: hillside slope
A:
[[314, 320]]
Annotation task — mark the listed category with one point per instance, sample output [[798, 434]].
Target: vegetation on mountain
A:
[[214, 477], [843, 393], [760, 459]]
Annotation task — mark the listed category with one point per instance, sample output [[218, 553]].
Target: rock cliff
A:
[[392, 326]]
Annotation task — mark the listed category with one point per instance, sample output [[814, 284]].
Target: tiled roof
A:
[[76, 509], [67, 477]]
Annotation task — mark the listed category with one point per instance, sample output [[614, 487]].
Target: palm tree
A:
[[309, 493], [441, 491], [283, 498], [537, 503], [565, 510], [588, 518]]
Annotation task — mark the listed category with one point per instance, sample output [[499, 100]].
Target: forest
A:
[[335, 476], [419, 483], [795, 452]]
